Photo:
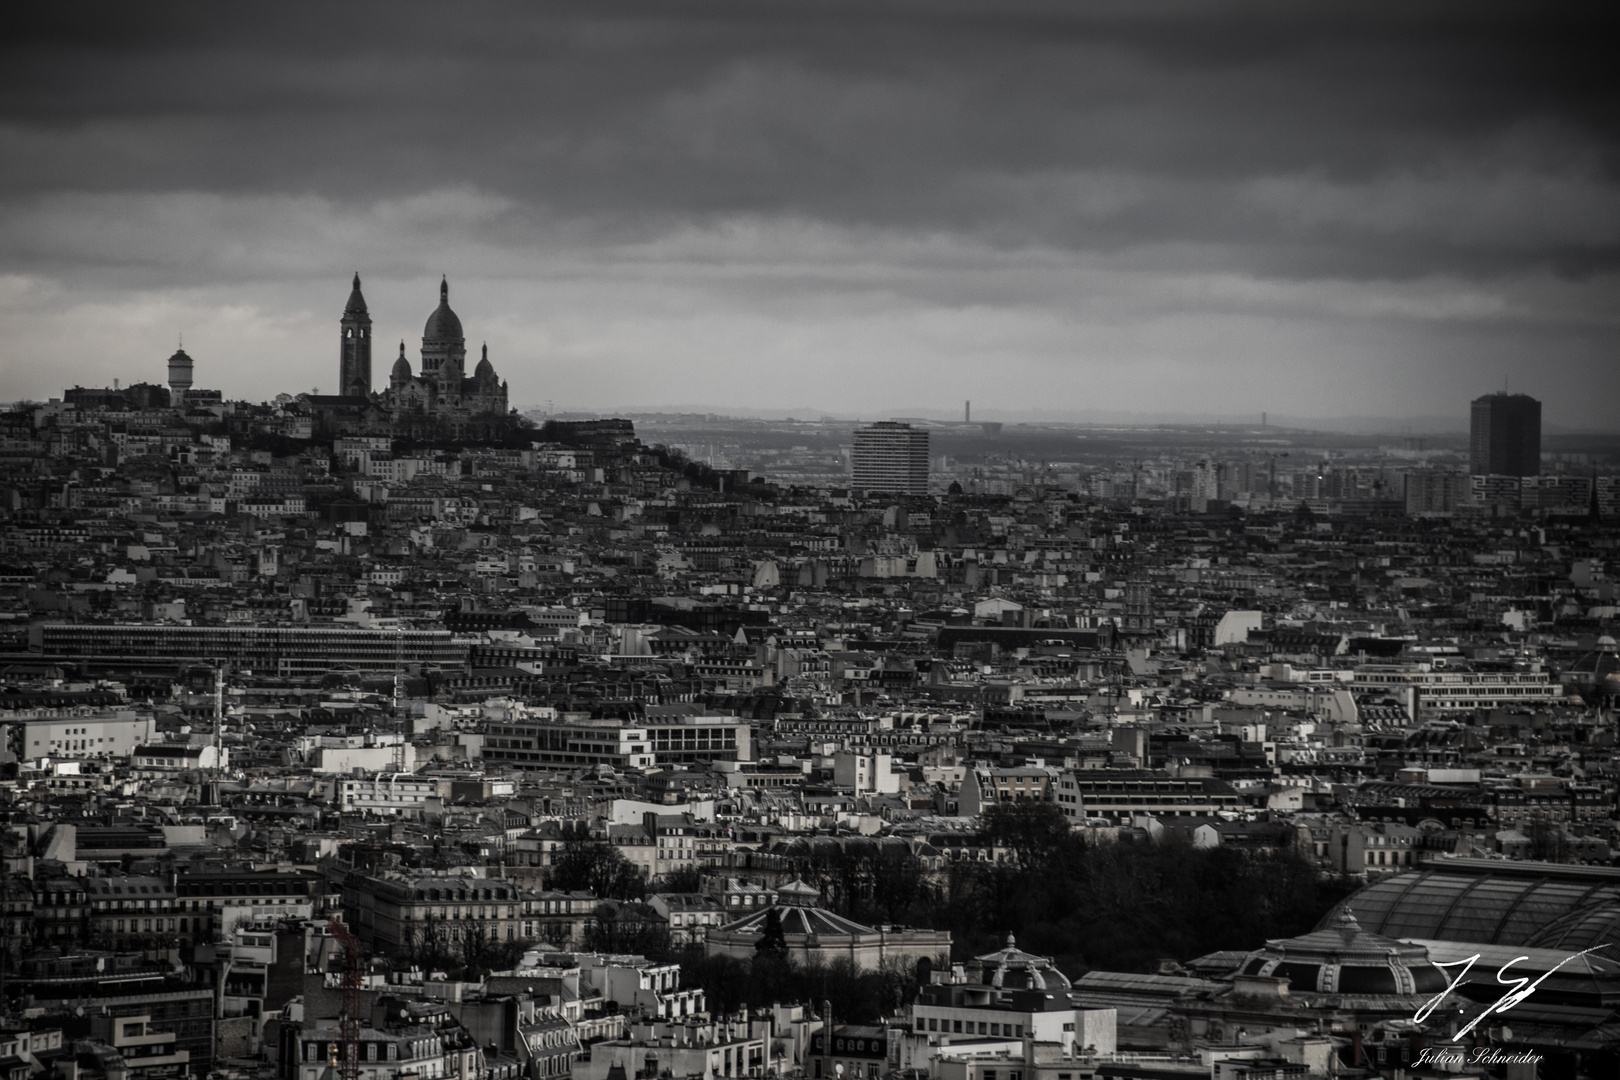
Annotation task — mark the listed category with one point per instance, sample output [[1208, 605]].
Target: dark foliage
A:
[[462, 946], [858, 996], [688, 879], [1115, 907], [591, 865], [627, 928], [1118, 907], [772, 941]]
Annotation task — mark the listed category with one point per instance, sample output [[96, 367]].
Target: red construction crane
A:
[[349, 1015]]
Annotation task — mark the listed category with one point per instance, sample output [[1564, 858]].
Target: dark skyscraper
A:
[[1505, 436]]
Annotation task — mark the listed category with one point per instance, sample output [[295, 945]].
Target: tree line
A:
[[1117, 906]]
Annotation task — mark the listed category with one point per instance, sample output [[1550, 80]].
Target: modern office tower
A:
[[891, 456], [1504, 437]]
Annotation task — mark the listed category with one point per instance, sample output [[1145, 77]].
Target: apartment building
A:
[[417, 1053], [127, 911], [890, 456], [388, 911], [391, 794], [985, 787], [215, 899]]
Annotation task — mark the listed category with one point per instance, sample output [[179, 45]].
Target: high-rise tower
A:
[[354, 360], [890, 456], [1504, 436]]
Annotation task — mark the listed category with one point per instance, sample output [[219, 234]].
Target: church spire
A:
[[354, 355], [444, 289], [357, 300]]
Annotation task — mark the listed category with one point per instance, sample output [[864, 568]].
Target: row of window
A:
[[954, 1027], [146, 925], [457, 913]]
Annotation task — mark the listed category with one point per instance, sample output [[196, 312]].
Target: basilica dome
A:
[[443, 325]]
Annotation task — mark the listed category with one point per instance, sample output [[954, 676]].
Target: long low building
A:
[[1427, 691], [1120, 794], [552, 744], [817, 937], [280, 650]]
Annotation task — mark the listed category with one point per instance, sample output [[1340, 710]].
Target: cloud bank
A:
[[1372, 209]]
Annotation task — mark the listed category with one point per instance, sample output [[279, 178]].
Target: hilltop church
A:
[[439, 400]]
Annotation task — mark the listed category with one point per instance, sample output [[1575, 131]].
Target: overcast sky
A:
[[864, 208]]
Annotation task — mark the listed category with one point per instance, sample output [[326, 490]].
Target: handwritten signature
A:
[[1522, 987]]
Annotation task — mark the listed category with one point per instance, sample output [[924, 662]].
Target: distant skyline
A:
[[1353, 425], [1364, 212]]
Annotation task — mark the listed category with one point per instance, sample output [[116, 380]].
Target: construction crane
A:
[[349, 1014]]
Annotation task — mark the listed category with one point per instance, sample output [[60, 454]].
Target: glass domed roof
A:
[[1495, 903], [1345, 959]]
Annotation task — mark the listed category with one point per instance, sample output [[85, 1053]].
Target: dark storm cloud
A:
[[1457, 138], [1385, 207]]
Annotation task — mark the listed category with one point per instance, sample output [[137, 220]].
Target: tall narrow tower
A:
[[179, 375], [354, 361]]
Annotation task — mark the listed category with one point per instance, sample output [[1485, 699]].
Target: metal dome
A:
[[798, 906], [1012, 968], [1345, 959]]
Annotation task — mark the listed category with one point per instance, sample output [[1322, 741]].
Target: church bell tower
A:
[[354, 361]]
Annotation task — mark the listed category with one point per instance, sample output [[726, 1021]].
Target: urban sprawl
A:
[[399, 735]]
